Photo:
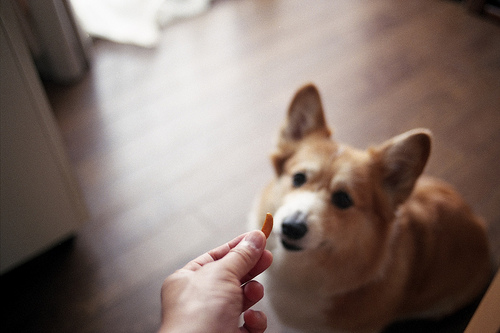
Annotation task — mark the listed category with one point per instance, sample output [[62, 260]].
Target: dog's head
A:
[[333, 199]]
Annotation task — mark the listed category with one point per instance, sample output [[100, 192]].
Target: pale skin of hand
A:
[[211, 292]]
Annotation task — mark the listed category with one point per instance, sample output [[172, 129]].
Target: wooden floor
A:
[[170, 145]]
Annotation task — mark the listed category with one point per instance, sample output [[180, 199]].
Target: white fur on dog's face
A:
[[308, 203], [313, 201]]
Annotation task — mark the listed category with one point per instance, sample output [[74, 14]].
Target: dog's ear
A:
[[305, 117], [402, 160]]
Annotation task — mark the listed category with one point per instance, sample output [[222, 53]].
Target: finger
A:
[[253, 292], [255, 322], [241, 259], [264, 262], [197, 263], [214, 254], [222, 250]]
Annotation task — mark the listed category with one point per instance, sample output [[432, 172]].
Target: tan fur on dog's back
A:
[[447, 237], [408, 247]]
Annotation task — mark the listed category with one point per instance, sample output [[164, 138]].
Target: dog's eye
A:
[[299, 179], [342, 200]]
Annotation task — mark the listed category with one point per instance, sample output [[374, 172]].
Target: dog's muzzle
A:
[[293, 228]]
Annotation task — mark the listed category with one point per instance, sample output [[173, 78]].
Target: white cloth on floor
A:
[[133, 21]]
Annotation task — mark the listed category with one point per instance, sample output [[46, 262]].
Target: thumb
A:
[[243, 257]]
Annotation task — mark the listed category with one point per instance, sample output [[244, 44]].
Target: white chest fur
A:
[[296, 295]]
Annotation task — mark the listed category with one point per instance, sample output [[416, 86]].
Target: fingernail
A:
[[255, 239]]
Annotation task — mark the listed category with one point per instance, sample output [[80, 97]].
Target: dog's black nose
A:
[[294, 226]]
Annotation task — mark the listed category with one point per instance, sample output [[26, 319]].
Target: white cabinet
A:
[[40, 200]]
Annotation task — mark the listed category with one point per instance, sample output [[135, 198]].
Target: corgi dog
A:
[[361, 239]]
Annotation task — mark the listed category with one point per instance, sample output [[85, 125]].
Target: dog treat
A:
[[268, 225]]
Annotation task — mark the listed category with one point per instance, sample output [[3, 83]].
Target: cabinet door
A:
[[40, 201]]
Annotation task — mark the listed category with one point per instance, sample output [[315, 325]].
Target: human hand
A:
[[210, 293]]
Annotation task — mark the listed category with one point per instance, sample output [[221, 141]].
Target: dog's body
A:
[[360, 240]]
